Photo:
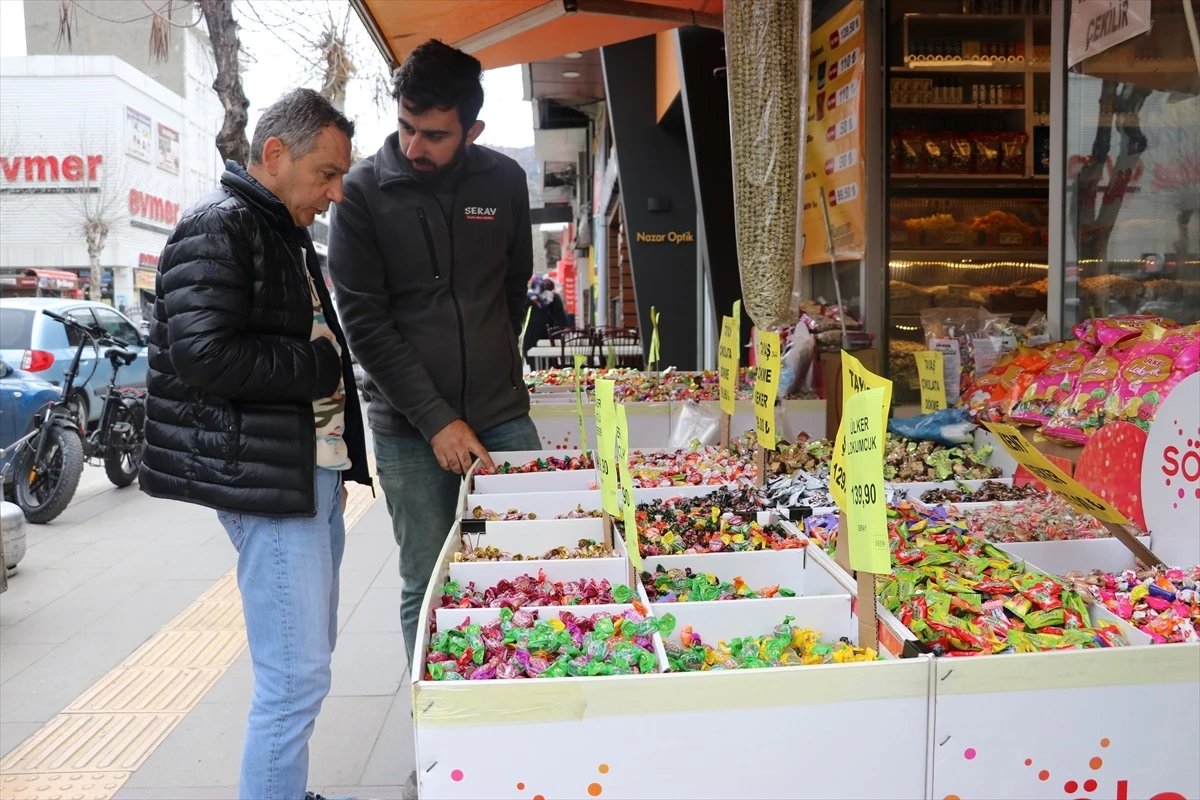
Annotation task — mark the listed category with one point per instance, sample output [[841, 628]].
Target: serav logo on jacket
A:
[[480, 213]]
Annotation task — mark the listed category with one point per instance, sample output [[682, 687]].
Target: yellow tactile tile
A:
[[65, 785], [147, 690], [200, 649], [72, 743], [223, 591], [200, 616]]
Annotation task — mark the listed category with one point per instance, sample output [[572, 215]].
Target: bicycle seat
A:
[[117, 354]]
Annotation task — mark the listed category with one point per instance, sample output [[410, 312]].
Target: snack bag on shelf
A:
[[1078, 417], [1106, 331], [1054, 384], [962, 336], [1012, 152], [1153, 367], [987, 152], [997, 383]]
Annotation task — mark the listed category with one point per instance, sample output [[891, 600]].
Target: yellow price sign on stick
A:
[[932, 374], [855, 379], [628, 504], [524, 327], [583, 437], [766, 388], [866, 513], [606, 441], [654, 345], [728, 361]]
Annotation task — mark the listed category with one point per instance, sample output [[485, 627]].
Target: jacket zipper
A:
[[437, 272], [462, 335]]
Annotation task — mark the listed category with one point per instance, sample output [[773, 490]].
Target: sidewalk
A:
[[123, 665]]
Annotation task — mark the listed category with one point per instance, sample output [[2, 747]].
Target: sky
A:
[[509, 119]]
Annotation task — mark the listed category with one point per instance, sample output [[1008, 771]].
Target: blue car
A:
[[32, 342], [22, 396]]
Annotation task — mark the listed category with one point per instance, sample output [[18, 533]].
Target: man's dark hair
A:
[[297, 119], [435, 75]]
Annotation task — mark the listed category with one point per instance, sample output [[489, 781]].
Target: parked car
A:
[[22, 396], [32, 342]]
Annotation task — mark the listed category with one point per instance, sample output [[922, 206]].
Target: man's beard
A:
[[437, 173]]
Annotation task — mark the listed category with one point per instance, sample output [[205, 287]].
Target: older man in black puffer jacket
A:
[[253, 412]]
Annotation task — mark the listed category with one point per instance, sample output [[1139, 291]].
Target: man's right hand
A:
[[456, 447]]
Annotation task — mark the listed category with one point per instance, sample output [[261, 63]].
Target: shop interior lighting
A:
[[969, 62], [574, 55], [966, 265], [570, 74], [907, 328]]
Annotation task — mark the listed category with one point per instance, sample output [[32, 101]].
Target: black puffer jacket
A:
[[232, 373]]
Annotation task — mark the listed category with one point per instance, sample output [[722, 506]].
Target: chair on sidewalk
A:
[[626, 346], [574, 342]]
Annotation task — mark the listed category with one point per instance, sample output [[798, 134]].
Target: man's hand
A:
[[456, 447]]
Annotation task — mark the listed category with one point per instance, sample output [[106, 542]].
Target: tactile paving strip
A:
[[92, 748], [61, 785]]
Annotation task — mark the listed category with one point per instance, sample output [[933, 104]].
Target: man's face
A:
[[434, 141], [307, 185]]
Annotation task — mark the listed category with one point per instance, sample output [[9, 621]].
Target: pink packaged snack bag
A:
[[1054, 384], [1106, 331], [1078, 417], [1152, 368]]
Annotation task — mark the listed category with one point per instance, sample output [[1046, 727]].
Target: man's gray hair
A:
[[296, 119]]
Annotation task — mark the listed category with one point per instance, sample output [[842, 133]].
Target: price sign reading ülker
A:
[[606, 441], [930, 369], [866, 514], [766, 387], [727, 359], [855, 378]]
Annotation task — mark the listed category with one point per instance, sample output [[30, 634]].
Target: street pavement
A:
[[118, 569]]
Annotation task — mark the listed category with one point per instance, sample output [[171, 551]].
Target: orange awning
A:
[[504, 32]]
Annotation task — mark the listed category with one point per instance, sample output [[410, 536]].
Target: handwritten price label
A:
[[728, 361], [766, 388], [606, 441], [866, 514], [855, 379], [932, 373], [628, 504], [583, 437]]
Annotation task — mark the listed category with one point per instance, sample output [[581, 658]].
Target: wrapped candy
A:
[[1042, 519], [527, 591], [584, 548], [479, 512], [544, 464], [685, 586], [988, 492], [517, 645], [785, 646], [704, 525], [1163, 603]]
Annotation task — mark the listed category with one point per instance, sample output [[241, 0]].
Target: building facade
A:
[[89, 138]]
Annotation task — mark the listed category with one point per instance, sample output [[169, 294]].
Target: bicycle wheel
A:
[[124, 455], [45, 490]]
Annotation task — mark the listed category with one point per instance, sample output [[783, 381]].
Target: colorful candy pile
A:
[[785, 646], [586, 548], [1162, 603], [989, 492], [518, 645], [905, 461], [479, 512], [964, 597], [632, 385], [1043, 519], [685, 586], [528, 591], [545, 464], [686, 525]]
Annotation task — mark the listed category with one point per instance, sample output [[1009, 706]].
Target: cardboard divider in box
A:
[[830, 616], [551, 504], [788, 569], [532, 536], [565, 480]]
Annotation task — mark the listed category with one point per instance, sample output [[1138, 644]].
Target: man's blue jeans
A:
[[421, 497], [288, 575]]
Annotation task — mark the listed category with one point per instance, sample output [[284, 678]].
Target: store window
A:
[[1132, 243]]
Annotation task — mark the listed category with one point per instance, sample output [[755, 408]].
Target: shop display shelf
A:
[[954, 107], [789, 569], [830, 616]]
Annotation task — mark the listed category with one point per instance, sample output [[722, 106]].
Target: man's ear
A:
[[474, 131], [273, 153]]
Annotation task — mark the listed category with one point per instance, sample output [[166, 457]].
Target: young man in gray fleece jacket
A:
[[430, 254]]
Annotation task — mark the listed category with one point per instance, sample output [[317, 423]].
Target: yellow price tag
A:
[[1055, 479], [728, 361], [583, 437], [524, 327], [866, 513], [855, 378], [628, 504], [766, 387], [932, 373], [654, 347], [606, 441]]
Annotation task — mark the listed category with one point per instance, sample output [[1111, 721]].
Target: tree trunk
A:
[[223, 32], [96, 279]]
